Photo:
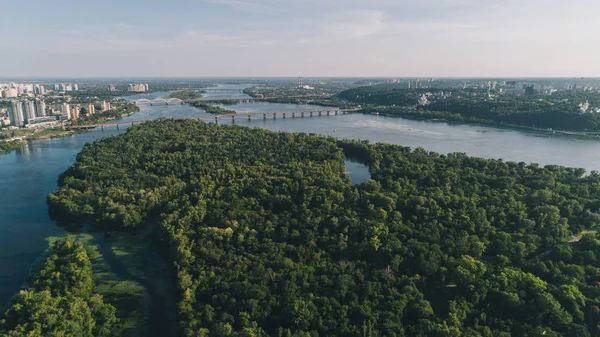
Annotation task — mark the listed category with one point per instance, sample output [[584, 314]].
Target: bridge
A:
[[251, 99], [221, 90], [274, 114], [159, 100]]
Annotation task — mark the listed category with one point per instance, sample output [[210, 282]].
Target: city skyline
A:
[[275, 38]]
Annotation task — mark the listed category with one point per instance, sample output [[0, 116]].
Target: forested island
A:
[[186, 95], [560, 111], [60, 300], [212, 109], [267, 236]]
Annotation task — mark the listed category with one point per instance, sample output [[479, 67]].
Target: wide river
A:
[[28, 174]]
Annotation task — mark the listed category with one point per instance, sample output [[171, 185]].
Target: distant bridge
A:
[[159, 100], [283, 114], [252, 99], [220, 90]]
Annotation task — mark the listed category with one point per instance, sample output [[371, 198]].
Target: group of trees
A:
[[383, 95], [561, 115], [212, 109], [117, 112], [559, 111], [6, 147], [60, 300], [268, 237], [186, 94]]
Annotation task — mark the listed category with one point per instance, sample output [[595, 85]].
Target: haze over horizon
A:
[[311, 38]]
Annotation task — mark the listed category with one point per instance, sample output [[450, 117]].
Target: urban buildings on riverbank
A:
[[29, 113], [139, 87]]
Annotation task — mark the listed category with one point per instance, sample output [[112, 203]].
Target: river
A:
[[28, 174]]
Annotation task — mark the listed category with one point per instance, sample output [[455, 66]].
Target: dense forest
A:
[[382, 95], [522, 111], [559, 111], [268, 237], [212, 109], [60, 300], [186, 94]]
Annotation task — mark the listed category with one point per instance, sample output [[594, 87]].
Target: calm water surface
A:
[[28, 174]]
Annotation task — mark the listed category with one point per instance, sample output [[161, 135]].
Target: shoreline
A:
[[582, 135]]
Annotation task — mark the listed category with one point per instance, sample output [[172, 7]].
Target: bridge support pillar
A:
[[102, 127], [293, 115], [232, 119], [216, 119], [132, 124], [274, 115], [311, 114], [117, 126], [249, 117], [302, 114], [284, 115], [327, 112], [319, 113], [265, 116], [335, 112]]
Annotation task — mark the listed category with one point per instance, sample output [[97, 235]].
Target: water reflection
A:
[[357, 171]]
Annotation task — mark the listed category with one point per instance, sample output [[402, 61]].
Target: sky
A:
[[325, 38]]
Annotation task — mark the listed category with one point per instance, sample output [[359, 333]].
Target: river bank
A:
[[31, 172], [479, 122]]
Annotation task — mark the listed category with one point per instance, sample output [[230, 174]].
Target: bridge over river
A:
[[222, 100], [283, 114]]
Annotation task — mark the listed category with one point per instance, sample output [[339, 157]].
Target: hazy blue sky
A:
[[300, 38]]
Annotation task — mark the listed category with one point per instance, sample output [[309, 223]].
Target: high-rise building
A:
[[90, 109], [40, 108], [28, 110], [75, 111], [68, 87], [15, 113], [76, 87], [137, 87], [12, 92], [62, 87], [105, 106], [66, 110], [112, 87]]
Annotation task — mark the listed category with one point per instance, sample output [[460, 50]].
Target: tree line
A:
[[60, 299], [268, 237], [559, 111]]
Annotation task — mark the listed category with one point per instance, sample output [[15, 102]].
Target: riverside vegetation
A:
[[560, 111], [268, 238], [60, 300]]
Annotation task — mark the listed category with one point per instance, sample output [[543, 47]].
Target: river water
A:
[[28, 174]]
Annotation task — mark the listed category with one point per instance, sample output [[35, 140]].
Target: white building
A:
[[66, 110], [137, 87], [28, 110], [15, 113], [76, 87], [40, 108]]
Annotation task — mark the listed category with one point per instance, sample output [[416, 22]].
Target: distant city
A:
[[26, 107]]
